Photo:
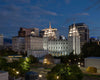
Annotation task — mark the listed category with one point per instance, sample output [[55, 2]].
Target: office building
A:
[[18, 44], [1, 40], [33, 43]]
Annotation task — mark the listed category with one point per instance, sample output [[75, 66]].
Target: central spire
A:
[[49, 25]]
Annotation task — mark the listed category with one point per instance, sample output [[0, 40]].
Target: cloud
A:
[[48, 12], [41, 11], [84, 14]]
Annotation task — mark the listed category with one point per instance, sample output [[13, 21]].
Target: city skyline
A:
[[61, 14]]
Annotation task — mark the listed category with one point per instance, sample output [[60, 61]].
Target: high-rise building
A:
[[18, 44], [74, 40], [1, 40], [33, 43], [23, 32], [51, 33], [83, 32]]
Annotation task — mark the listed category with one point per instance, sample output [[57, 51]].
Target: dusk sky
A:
[[38, 13]]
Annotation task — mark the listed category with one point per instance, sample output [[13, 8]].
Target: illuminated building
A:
[[56, 47], [83, 32], [52, 33], [34, 46], [33, 43], [60, 47], [74, 40]]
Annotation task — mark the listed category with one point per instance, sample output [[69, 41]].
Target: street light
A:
[[57, 77], [17, 72], [40, 76]]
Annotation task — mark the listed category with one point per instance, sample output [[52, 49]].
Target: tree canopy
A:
[[91, 49], [65, 72]]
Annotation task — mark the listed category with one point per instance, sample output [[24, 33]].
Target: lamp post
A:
[[57, 77], [40, 76], [17, 72]]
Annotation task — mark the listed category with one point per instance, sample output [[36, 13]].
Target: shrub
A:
[[91, 69]]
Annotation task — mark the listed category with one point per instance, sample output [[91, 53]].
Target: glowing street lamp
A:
[[40, 76], [17, 72], [57, 77]]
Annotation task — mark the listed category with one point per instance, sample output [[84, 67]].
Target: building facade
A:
[[33, 43], [34, 46], [4, 75], [49, 42], [83, 32], [1, 40], [24, 40], [60, 47], [74, 40], [37, 53], [93, 62], [56, 47], [18, 44], [23, 32]]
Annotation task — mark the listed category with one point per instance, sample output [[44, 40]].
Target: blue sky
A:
[[38, 13]]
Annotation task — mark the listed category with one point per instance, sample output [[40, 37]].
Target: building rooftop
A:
[[2, 72], [93, 58], [80, 24]]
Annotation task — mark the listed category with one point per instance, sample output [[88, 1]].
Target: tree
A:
[[71, 58], [3, 63], [65, 72], [24, 65], [5, 52], [32, 59], [90, 49]]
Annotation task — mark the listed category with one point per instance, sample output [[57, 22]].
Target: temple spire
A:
[[74, 25], [49, 25]]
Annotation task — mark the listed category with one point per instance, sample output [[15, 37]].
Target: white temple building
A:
[[74, 40], [52, 33], [59, 47]]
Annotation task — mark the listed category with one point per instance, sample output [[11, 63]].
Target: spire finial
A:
[[49, 25], [73, 24]]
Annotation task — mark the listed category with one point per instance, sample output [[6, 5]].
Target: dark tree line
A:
[[90, 49]]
